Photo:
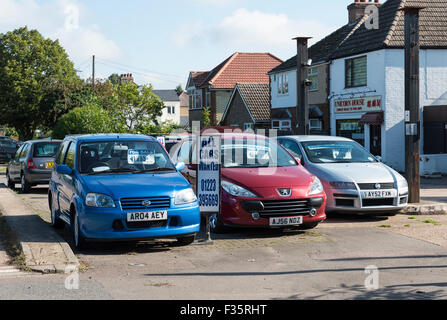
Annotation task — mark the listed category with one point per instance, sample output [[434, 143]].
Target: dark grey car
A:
[[7, 150], [32, 164]]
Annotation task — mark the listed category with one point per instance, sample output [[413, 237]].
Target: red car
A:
[[262, 185]]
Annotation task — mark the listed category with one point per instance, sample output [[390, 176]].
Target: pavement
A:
[[44, 250], [433, 198]]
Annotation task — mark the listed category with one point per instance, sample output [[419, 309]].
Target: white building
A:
[[171, 100], [367, 85]]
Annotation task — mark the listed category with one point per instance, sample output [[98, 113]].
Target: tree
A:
[[115, 79], [136, 106], [86, 120], [206, 115], [179, 89], [36, 77]]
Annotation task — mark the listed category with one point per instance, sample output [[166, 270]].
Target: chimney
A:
[[357, 9], [125, 78]]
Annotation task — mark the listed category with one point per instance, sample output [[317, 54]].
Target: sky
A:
[[160, 42]]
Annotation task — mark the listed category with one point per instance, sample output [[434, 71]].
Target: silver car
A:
[[354, 180]]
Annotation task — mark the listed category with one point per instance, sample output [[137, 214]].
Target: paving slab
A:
[[45, 251]]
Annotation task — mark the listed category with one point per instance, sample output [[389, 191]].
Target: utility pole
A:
[[302, 107], [412, 108], [93, 71]]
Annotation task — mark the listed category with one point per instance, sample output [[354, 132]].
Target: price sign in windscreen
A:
[[208, 173]]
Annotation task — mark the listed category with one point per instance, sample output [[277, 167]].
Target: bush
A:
[[85, 120]]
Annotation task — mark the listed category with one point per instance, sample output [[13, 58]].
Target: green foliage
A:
[[115, 79], [9, 132], [206, 115], [88, 119], [166, 127], [38, 82], [179, 89]]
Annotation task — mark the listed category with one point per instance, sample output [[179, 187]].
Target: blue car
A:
[[121, 187]]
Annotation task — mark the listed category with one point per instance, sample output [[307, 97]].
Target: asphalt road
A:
[[326, 263]]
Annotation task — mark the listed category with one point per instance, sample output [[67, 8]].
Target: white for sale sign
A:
[[208, 173]]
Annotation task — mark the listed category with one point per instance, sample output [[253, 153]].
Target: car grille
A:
[[137, 203], [146, 224], [378, 202], [284, 208], [372, 186]]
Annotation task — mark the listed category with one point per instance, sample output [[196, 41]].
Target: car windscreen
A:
[[45, 149], [123, 156], [254, 153], [336, 152]]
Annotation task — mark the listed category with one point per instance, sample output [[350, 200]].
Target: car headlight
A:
[[316, 188], [402, 185], [184, 197], [236, 190], [99, 200], [342, 185]]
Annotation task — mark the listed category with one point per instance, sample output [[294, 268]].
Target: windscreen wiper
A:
[[121, 170], [154, 170]]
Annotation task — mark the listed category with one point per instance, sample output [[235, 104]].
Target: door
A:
[[66, 181], [184, 155], [13, 166], [375, 136]]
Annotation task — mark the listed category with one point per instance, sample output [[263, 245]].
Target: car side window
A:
[[18, 152], [293, 148], [24, 151], [62, 151], [183, 153], [71, 154]]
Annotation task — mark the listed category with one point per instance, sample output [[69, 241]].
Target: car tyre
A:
[[78, 239], [56, 223], [185, 241], [9, 182], [216, 224], [308, 226], [25, 187]]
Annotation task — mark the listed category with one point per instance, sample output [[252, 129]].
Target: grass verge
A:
[[11, 244]]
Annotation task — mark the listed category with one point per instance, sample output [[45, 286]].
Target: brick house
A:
[[213, 89], [248, 107]]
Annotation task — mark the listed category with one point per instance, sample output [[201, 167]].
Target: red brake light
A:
[[30, 164]]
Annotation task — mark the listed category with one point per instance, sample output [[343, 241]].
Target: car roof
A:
[[316, 138], [43, 140], [109, 137]]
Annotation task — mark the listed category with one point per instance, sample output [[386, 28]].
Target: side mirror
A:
[[298, 160], [192, 166], [180, 166], [63, 169], [379, 158]]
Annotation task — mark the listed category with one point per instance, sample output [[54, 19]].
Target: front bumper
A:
[[237, 211], [351, 201], [111, 224]]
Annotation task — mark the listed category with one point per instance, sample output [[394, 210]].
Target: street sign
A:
[[208, 173]]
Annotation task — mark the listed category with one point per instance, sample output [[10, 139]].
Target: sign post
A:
[[208, 179]]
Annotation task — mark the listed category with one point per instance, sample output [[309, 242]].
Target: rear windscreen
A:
[[46, 149]]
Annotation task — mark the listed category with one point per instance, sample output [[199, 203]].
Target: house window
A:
[[282, 124], [355, 72], [208, 99], [195, 99], [169, 110], [248, 126], [172, 110], [316, 124], [283, 84], [313, 75]]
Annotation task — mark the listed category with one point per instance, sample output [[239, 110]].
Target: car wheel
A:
[[216, 224], [185, 241], [308, 226], [56, 223], [24, 185], [9, 182], [78, 239]]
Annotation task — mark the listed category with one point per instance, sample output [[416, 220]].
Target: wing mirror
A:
[[63, 169], [180, 166]]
